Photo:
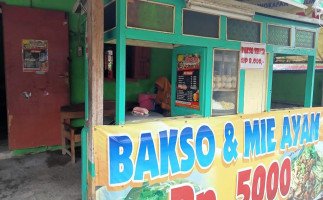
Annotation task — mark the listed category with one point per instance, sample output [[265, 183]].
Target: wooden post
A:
[[95, 73]]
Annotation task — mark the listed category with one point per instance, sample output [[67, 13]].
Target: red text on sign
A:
[[187, 192], [264, 183]]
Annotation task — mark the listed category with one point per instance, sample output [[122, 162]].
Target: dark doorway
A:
[[289, 81], [3, 106]]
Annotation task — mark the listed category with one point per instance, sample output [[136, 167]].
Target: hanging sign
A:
[[252, 55], [280, 5], [272, 155], [188, 80], [35, 55]]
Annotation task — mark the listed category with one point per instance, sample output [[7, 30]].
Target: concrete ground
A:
[[43, 176]]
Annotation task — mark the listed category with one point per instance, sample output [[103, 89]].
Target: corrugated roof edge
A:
[[261, 10]]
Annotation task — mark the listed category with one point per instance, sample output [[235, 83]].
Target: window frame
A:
[[219, 31], [260, 29], [290, 35], [153, 2]]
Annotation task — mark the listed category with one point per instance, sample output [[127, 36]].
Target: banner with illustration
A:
[[273, 155]]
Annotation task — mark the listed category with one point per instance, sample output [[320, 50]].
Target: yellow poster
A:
[[273, 155]]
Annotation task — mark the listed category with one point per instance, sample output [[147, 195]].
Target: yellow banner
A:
[[274, 155]]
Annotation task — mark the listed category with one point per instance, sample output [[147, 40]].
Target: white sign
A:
[[252, 55]]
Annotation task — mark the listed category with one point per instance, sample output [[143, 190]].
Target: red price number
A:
[[263, 182]]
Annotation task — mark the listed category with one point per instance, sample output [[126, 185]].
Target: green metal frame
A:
[[292, 50], [121, 62], [121, 33]]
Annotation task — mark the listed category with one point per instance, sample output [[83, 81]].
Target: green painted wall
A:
[[289, 87], [160, 65]]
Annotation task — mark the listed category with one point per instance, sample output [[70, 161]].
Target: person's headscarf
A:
[[163, 96]]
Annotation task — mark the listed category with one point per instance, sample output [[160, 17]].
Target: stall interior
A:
[[148, 80], [288, 86]]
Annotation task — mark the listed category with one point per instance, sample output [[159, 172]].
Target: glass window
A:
[[225, 82], [278, 35], [305, 39], [200, 24], [243, 30], [149, 15], [110, 16]]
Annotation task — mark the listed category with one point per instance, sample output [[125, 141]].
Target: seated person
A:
[[162, 101]]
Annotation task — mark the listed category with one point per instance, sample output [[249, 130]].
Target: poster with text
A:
[[35, 55], [252, 55], [271, 155], [188, 80]]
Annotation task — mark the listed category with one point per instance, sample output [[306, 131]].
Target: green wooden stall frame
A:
[[121, 33]]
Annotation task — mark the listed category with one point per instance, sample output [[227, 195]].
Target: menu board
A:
[[188, 80]]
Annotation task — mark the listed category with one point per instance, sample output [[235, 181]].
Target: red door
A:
[[37, 76]]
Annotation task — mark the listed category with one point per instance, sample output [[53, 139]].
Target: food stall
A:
[[222, 140]]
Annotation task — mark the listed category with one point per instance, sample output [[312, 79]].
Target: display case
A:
[[225, 82]]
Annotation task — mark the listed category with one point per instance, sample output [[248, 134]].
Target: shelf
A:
[[216, 112], [114, 80], [224, 90], [226, 61]]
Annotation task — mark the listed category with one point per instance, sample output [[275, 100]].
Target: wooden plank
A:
[[255, 89], [95, 74]]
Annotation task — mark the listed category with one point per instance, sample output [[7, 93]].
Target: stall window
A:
[[150, 16], [305, 39], [137, 62], [225, 82], [278, 35], [200, 24], [241, 30], [110, 16]]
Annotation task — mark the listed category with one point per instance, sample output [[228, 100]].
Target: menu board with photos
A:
[[188, 80]]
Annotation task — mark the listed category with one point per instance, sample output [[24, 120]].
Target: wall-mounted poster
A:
[[35, 55], [188, 80], [252, 55]]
